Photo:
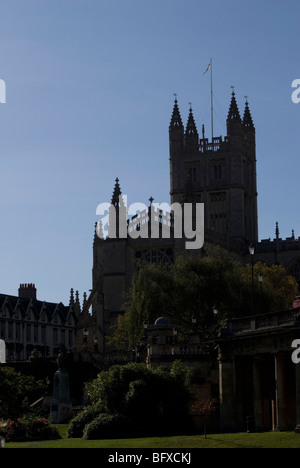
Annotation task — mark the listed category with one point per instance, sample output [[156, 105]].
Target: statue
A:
[[2, 352], [61, 405]]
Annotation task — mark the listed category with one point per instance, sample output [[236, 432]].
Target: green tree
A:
[[275, 284], [15, 389], [196, 287]]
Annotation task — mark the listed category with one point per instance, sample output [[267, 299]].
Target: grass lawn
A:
[[240, 440]]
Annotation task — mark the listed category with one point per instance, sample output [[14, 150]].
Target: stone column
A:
[[227, 394], [280, 392], [257, 394], [297, 429]]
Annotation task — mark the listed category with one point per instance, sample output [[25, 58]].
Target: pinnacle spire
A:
[[84, 299], [233, 113], [191, 126], [116, 194], [72, 297], [191, 134], [247, 119], [176, 121]]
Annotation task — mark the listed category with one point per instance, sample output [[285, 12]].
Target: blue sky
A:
[[89, 97]]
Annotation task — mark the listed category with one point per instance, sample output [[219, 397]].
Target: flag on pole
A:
[[208, 67]]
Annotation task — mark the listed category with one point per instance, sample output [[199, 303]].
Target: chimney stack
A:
[[27, 291]]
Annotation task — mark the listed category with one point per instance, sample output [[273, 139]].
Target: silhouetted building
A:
[[221, 174]]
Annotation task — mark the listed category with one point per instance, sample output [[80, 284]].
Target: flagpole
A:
[[211, 102]]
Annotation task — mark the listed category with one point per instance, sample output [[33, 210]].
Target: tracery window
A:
[[159, 256]]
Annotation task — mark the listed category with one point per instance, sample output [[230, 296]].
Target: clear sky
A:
[[89, 94]]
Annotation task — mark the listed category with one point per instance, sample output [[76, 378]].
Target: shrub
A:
[[15, 388], [108, 426], [16, 430], [29, 429], [148, 398], [110, 387], [41, 429], [78, 423]]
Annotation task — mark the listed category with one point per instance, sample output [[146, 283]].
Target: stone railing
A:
[[176, 350], [258, 322]]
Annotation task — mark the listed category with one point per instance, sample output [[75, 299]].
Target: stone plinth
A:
[[61, 405]]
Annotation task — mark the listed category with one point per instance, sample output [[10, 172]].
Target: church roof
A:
[[37, 307]]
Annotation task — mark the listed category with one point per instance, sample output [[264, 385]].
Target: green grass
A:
[[240, 440]]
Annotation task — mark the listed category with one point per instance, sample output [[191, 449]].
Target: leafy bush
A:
[[108, 426], [29, 429], [78, 423], [14, 389], [110, 387], [16, 430], [152, 401], [41, 429]]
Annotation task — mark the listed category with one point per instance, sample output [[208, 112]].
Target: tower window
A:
[[192, 174], [218, 172]]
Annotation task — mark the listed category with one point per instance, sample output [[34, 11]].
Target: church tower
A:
[[219, 173], [111, 264]]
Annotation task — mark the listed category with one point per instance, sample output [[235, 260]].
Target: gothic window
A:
[[70, 338], [160, 256], [55, 336], [35, 334], [2, 329], [28, 333], [63, 336], [191, 174], [217, 169], [18, 331], [194, 174], [217, 207], [10, 330], [218, 172]]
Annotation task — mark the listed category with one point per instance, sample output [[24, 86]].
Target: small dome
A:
[[162, 321]]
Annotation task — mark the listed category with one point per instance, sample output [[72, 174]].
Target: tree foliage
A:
[[145, 400], [196, 287], [15, 389]]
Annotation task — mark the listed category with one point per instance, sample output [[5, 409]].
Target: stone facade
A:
[[257, 377], [27, 324], [285, 252], [222, 175]]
